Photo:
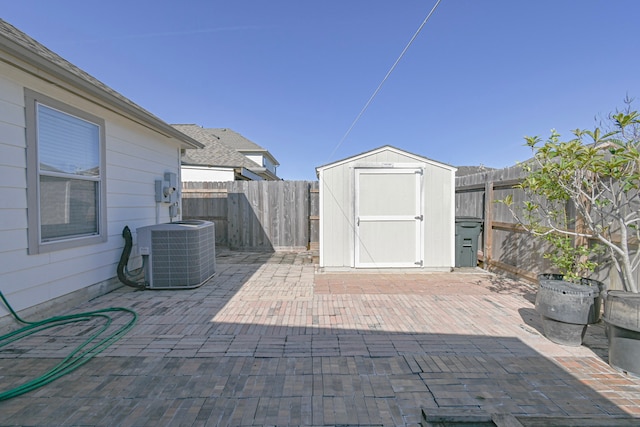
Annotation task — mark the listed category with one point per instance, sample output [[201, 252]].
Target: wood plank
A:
[[469, 188], [488, 221], [519, 272], [314, 212], [256, 214], [300, 213], [233, 217], [204, 190], [276, 205], [508, 226]]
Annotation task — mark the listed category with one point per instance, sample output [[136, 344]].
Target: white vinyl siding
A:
[[134, 157], [263, 161], [269, 165], [205, 174]]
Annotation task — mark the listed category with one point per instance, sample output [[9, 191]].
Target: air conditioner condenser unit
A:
[[178, 255]]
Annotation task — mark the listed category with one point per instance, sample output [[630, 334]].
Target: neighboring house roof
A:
[[216, 153], [470, 170], [240, 143], [37, 58]]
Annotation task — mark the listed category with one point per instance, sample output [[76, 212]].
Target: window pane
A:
[[67, 144], [68, 207]]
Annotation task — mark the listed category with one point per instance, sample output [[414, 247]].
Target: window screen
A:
[[68, 207], [67, 144], [66, 181], [69, 154]]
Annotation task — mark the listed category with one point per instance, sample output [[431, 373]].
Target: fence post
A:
[[314, 216], [257, 215], [488, 223]]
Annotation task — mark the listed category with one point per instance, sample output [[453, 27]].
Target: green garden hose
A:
[[79, 356]]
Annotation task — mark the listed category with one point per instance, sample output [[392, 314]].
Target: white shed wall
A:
[[337, 205], [135, 157], [439, 213], [336, 217]]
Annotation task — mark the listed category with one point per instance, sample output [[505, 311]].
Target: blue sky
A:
[[293, 75]]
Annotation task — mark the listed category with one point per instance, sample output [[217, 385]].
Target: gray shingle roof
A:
[[214, 153], [235, 140], [470, 170], [25, 48], [240, 143]]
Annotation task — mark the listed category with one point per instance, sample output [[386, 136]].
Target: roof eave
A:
[[264, 172], [263, 152], [109, 101]]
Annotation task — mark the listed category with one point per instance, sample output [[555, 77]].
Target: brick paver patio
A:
[[268, 341]]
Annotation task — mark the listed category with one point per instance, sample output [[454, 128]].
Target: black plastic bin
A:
[[468, 230]]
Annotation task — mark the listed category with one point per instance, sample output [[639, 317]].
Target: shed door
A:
[[388, 217]]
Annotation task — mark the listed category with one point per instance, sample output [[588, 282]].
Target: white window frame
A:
[[36, 243]]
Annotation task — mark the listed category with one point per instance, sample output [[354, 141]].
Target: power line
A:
[[385, 79]]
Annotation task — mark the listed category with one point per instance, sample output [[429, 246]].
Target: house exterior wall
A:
[[135, 157], [337, 209], [269, 165], [206, 174], [263, 161], [256, 158]]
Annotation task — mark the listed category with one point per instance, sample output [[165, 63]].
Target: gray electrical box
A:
[[166, 189]]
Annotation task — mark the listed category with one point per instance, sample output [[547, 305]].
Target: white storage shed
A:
[[387, 208]]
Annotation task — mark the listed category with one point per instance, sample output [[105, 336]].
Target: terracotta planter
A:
[[567, 308]]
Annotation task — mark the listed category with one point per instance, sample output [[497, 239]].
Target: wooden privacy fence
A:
[[503, 244], [257, 215]]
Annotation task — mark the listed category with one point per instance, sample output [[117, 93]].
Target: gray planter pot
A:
[[567, 308], [622, 317]]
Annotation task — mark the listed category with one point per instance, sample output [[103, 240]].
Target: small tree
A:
[[600, 181]]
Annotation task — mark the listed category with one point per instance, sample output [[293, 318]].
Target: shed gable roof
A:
[[416, 157], [26, 49]]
